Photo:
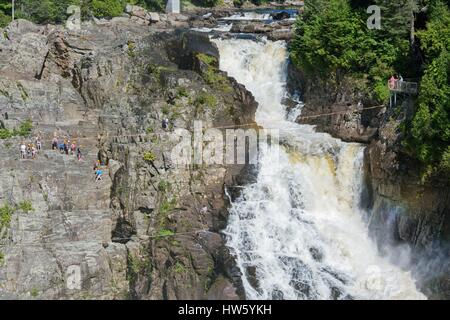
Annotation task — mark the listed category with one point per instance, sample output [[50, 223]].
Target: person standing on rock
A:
[[98, 173], [67, 146], [33, 152], [79, 153], [29, 150], [165, 124], [23, 150], [55, 143], [61, 147], [38, 142], [73, 148]]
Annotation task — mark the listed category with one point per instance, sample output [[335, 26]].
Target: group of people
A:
[[66, 146], [30, 150], [394, 81]]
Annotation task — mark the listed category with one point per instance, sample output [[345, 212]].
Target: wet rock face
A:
[[335, 107], [406, 210], [149, 229]]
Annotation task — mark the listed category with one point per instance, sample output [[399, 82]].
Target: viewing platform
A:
[[404, 87]]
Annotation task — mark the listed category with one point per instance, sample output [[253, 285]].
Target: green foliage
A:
[[164, 186], [6, 134], [211, 73], [2, 259], [429, 131], [44, 11], [209, 60], [166, 206], [332, 40], [164, 233], [34, 292], [55, 11], [206, 99], [25, 206], [107, 8], [182, 92], [24, 130], [6, 211], [131, 49], [149, 156], [207, 3], [180, 268], [4, 19]]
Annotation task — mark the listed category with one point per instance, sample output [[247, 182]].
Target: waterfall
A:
[[298, 232]]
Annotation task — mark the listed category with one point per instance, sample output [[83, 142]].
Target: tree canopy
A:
[[332, 40]]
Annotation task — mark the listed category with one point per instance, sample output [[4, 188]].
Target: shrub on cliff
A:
[[5, 12], [207, 3], [107, 8], [429, 131], [332, 40], [55, 11]]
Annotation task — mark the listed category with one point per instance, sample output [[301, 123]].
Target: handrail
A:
[[404, 87]]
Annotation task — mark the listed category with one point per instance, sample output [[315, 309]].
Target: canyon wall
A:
[[150, 228]]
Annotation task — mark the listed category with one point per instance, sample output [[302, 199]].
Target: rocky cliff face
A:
[[150, 228], [332, 106], [402, 208]]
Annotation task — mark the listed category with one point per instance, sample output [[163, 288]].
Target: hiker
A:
[[392, 83], [73, 148], [165, 124], [55, 143], [23, 150], [33, 152], [38, 143], [98, 173], [66, 147], [79, 153], [61, 147], [29, 150]]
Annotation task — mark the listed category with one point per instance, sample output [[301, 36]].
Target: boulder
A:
[[280, 15], [136, 11], [222, 289], [154, 17]]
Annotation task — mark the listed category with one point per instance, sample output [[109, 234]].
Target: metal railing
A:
[[404, 87]]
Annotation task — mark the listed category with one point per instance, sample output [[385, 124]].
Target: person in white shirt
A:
[[23, 150]]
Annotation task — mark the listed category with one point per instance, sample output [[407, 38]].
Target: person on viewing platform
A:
[[392, 83]]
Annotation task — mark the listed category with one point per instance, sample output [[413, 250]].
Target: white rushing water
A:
[[298, 232]]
